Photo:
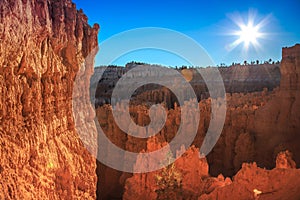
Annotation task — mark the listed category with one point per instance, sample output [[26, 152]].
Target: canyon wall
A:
[[43, 44], [237, 79]]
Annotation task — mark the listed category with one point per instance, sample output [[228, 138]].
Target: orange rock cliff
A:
[[42, 46]]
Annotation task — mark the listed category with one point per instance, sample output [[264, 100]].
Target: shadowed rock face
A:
[[42, 46], [277, 125]]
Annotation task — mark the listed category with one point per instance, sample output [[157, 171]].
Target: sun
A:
[[249, 34]]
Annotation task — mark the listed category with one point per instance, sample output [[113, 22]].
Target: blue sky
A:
[[209, 23]]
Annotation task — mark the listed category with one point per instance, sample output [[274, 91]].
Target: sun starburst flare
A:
[[249, 33]]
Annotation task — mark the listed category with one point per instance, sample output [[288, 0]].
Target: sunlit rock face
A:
[[187, 178], [253, 182], [42, 46], [284, 160], [290, 68]]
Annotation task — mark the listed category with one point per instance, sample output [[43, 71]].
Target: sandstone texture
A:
[[252, 182], [43, 44], [189, 174]]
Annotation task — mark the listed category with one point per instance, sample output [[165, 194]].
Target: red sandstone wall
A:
[[42, 46]]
